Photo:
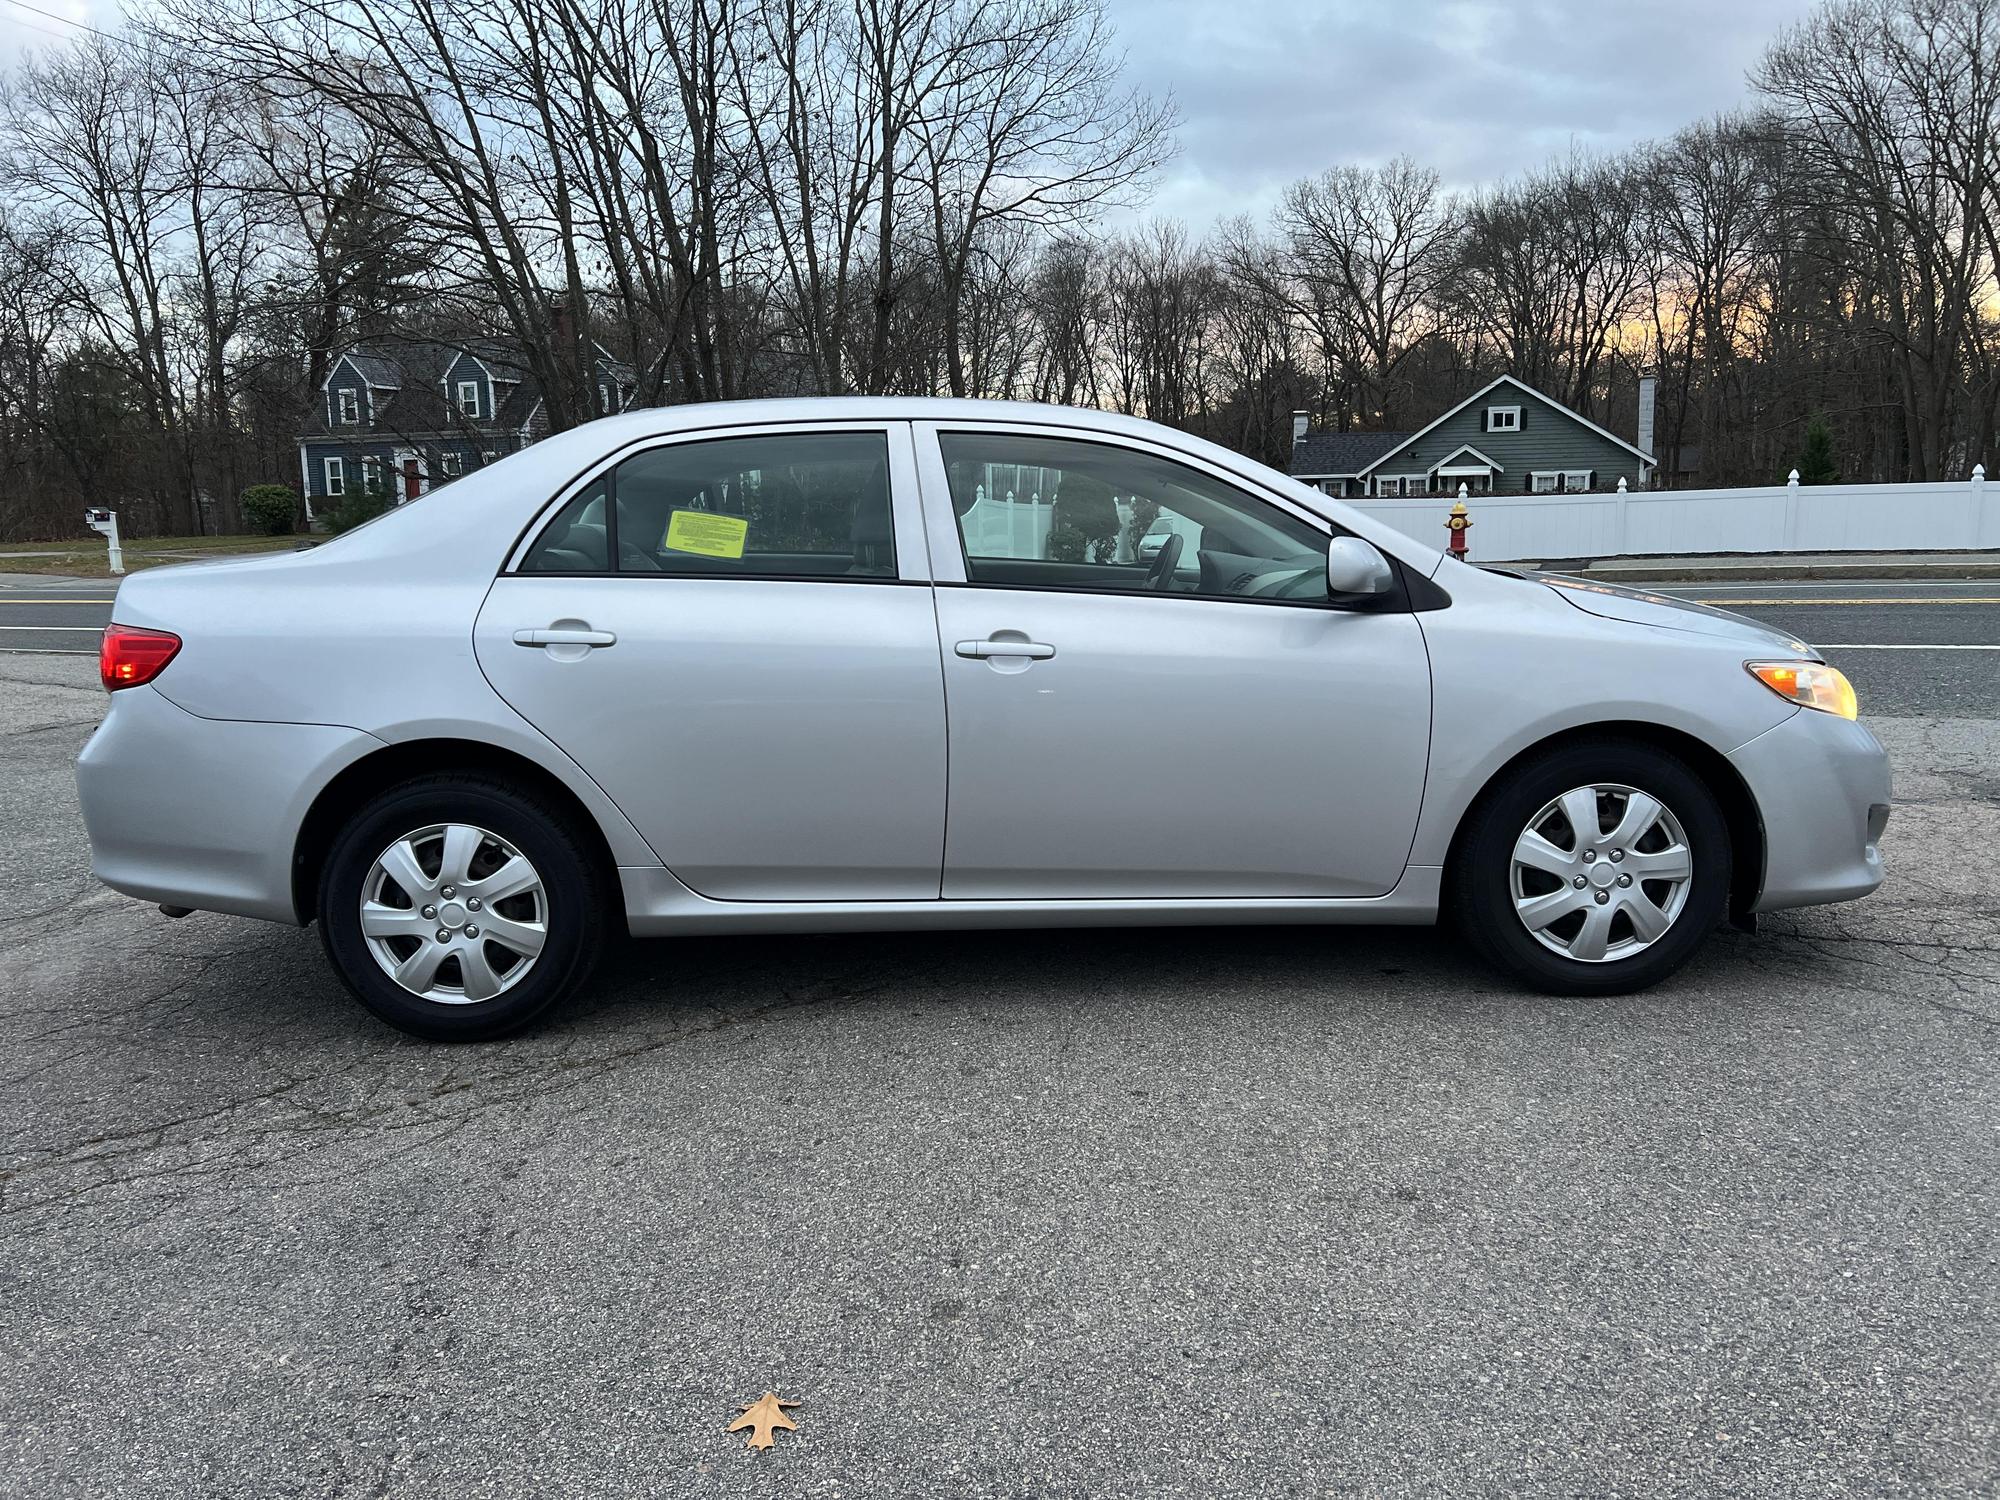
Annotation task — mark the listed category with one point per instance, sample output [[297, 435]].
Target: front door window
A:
[[1107, 518]]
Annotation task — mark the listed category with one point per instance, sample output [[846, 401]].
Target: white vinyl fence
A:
[[1951, 516]]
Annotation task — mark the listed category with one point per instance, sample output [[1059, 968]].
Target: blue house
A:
[[398, 417]]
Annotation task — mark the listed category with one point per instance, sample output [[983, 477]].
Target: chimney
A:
[[1299, 420], [1648, 386]]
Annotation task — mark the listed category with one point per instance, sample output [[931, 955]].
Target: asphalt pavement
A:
[[1264, 1212], [53, 616]]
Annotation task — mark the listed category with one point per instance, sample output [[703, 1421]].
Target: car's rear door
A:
[[732, 633], [1133, 717]]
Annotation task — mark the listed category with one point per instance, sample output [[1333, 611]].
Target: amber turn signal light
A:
[[1810, 684]]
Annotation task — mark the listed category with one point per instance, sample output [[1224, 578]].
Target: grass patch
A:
[[84, 559]]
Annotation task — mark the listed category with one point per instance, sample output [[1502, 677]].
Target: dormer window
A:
[[1503, 419], [468, 397], [348, 405]]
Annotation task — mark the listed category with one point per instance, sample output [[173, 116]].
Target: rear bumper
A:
[[204, 812], [1821, 784]]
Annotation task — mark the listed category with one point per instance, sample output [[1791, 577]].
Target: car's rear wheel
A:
[[460, 907], [1595, 870]]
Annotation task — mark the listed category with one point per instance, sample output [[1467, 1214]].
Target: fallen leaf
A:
[[762, 1416]]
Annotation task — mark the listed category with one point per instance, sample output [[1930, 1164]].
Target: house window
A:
[[1503, 419], [350, 407], [1400, 484], [451, 465], [604, 395], [468, 397], [487, 456], [1544, 483], [371, 476], [1576, 481], [336, 477]]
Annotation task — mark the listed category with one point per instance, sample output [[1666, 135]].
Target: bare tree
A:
[[1370, 250]]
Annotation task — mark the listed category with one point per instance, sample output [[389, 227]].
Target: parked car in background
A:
[[794, 666]]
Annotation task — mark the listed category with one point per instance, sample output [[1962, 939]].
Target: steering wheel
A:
[[1160, 576]]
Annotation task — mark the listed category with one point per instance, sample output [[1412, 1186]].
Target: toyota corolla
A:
[[818, 665]]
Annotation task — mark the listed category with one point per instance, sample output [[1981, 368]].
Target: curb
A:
[[1781, 571]]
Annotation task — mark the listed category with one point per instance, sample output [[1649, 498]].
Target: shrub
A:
[[355, 509], [1816, 461], [270, 508]]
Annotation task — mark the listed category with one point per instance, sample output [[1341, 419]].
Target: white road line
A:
[[82, 629], [1874, 646], [40, 651]]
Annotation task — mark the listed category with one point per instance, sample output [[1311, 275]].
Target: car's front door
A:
[[1148, 691], [733, 635]]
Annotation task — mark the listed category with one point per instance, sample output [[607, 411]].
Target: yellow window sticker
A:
[[705, 534]]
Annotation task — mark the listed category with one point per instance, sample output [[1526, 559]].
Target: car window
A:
[[801, 505], [1062, 513], [576, 541]]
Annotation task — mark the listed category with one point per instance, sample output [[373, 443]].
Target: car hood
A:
[[1611, 601]]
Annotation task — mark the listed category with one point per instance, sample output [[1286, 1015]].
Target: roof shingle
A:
[[1322, 453]]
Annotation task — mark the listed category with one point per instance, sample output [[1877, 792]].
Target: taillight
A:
[[130, 656]]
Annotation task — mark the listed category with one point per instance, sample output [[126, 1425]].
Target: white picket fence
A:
[[1951, 516]]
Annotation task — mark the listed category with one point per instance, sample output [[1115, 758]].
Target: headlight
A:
[[1809, 684]]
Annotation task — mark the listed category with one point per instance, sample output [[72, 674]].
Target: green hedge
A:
[[270, 509]]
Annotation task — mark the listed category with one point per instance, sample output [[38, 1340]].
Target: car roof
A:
[[679, 418]]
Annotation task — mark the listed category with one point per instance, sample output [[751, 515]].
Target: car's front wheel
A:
[[1595, 870], [459, 907]]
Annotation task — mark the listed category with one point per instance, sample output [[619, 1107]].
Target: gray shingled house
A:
[[1505, 438]]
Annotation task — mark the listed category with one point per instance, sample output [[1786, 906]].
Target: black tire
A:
[[576, 889], [1481, 899]]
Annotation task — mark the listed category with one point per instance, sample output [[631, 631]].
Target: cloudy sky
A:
[[1271, 90]]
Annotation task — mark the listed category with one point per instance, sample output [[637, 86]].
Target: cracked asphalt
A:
[[1264, 1212]]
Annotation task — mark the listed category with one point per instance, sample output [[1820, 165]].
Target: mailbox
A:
[[105, 524]]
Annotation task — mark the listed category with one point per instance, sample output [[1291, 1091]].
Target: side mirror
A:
[[1355, 570]]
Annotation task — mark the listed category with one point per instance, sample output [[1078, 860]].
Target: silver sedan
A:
[[820, 665]]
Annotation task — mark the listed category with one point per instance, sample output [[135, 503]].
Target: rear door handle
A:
[[979, 650], [564, 636]]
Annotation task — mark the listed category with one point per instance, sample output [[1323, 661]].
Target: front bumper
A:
[[1821, 785], [204, 812]]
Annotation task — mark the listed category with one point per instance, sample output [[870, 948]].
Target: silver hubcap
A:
[[454, 914], [1601, 873]]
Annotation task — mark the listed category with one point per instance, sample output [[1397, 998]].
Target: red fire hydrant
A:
[[1458, 525]]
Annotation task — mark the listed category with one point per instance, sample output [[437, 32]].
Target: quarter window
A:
[[1106, 518], [790, 505], [577, 540]]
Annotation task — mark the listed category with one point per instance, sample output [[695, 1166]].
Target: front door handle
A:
[[980, 650], [565, 635]]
